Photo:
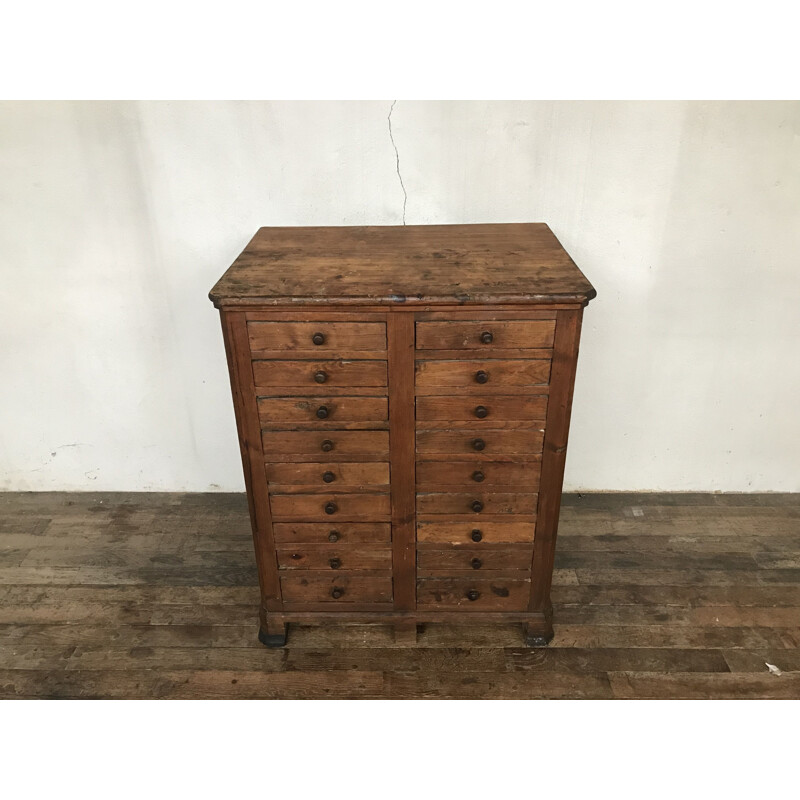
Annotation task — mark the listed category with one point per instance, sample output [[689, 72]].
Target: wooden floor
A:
[[155, 596]]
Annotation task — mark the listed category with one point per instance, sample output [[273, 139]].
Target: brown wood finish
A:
[[319, 375], [335, 586], [328, 475], [434, 474], [487, 409], [485, 335], [474, 593], [476, 503], [284, 413], [319, 336], [333, 507], [510, 375], [479, 442], [332, 444], [485, 533], [337, 556], [475, 559], [338, 532]]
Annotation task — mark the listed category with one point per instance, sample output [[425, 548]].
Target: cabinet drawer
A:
[[334, 557], [479, 594], [477, 335], [326, 444], [480, 442], [475, 533], [476, 503], [336, 587], [482, 375], [321, 412], [322, 336], [475, 558], [523, 474], [331, 532], [331, 475], [330, 506], [272, 373], [486, 408]]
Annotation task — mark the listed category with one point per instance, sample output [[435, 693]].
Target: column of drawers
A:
[[322, 400], [481, 402]]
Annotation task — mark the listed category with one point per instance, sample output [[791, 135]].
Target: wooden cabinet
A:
[[402, 398]]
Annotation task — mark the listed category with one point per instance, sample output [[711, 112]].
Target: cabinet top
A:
[[403, 265]]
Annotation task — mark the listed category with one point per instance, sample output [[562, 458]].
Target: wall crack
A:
[[397, 160]]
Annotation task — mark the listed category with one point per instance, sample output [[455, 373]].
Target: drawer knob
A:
[[328, 477], [337, 562], [481, 412], [476, 535], [478, 476], [321, 376], [476, 506], [333, 536], [479, 444], [318, 338], [476, 563], [486, 337], [336, 592], [473, 594], [322, 412], [481, 376], [327, 445], [331, 508]]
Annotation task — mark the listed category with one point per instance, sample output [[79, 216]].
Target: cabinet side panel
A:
[[401, 440], [554, 454], [237, 349]]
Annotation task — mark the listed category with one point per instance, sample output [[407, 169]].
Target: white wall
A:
[[116, 219]]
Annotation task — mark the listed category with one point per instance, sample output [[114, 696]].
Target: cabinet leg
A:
[[539, 632], [405, 633], [272, 633]]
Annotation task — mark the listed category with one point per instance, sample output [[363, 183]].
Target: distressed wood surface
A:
[[154, 596]]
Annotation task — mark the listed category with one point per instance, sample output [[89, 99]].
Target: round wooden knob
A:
[[328, 477], [473, 594], [481, 376], [333, 536], [476, 535], [476, 563], [476, 506], [478, 444], [478, 476], [331, 508], [322, 412], [481, 412], [337, 562], [336, 592], [322, 376], [318, 338], [327, 445], [486, 337]]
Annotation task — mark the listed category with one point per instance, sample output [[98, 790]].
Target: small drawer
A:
[[478, 594], [330, 506], [273, 373], [321, 412], [334, 557], [476, 503], [476, 335], [480, 442], [369, 445], [522, 474], [475, 533], [336, 587], [332, 532], [319, 336], [487, 408], [475, 559], [482, 375], [334, 476]]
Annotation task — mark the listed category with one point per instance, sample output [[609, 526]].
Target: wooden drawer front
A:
[[480, 442], [330, 506], [331, 532], [317, 336], [322, 412], [486, 409], [336, 587], [478, 533], [334, 557], [287, 477], [499, 594], [326, 444], [476, 559], [508, 374], [472, 335], [318, 374], [522, 474], [476, 503]]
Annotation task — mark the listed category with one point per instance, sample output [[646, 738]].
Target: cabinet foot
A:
[[538, 634], [272, 639]]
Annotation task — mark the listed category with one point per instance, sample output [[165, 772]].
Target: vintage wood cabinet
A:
[[403, 397]]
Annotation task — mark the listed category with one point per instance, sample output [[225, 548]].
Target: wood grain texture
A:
[[335, 374], [485, 336], [507, 375], [335, 556], [480, 443], [487, 409], [524, 475], [283, 413], [320, 336]]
